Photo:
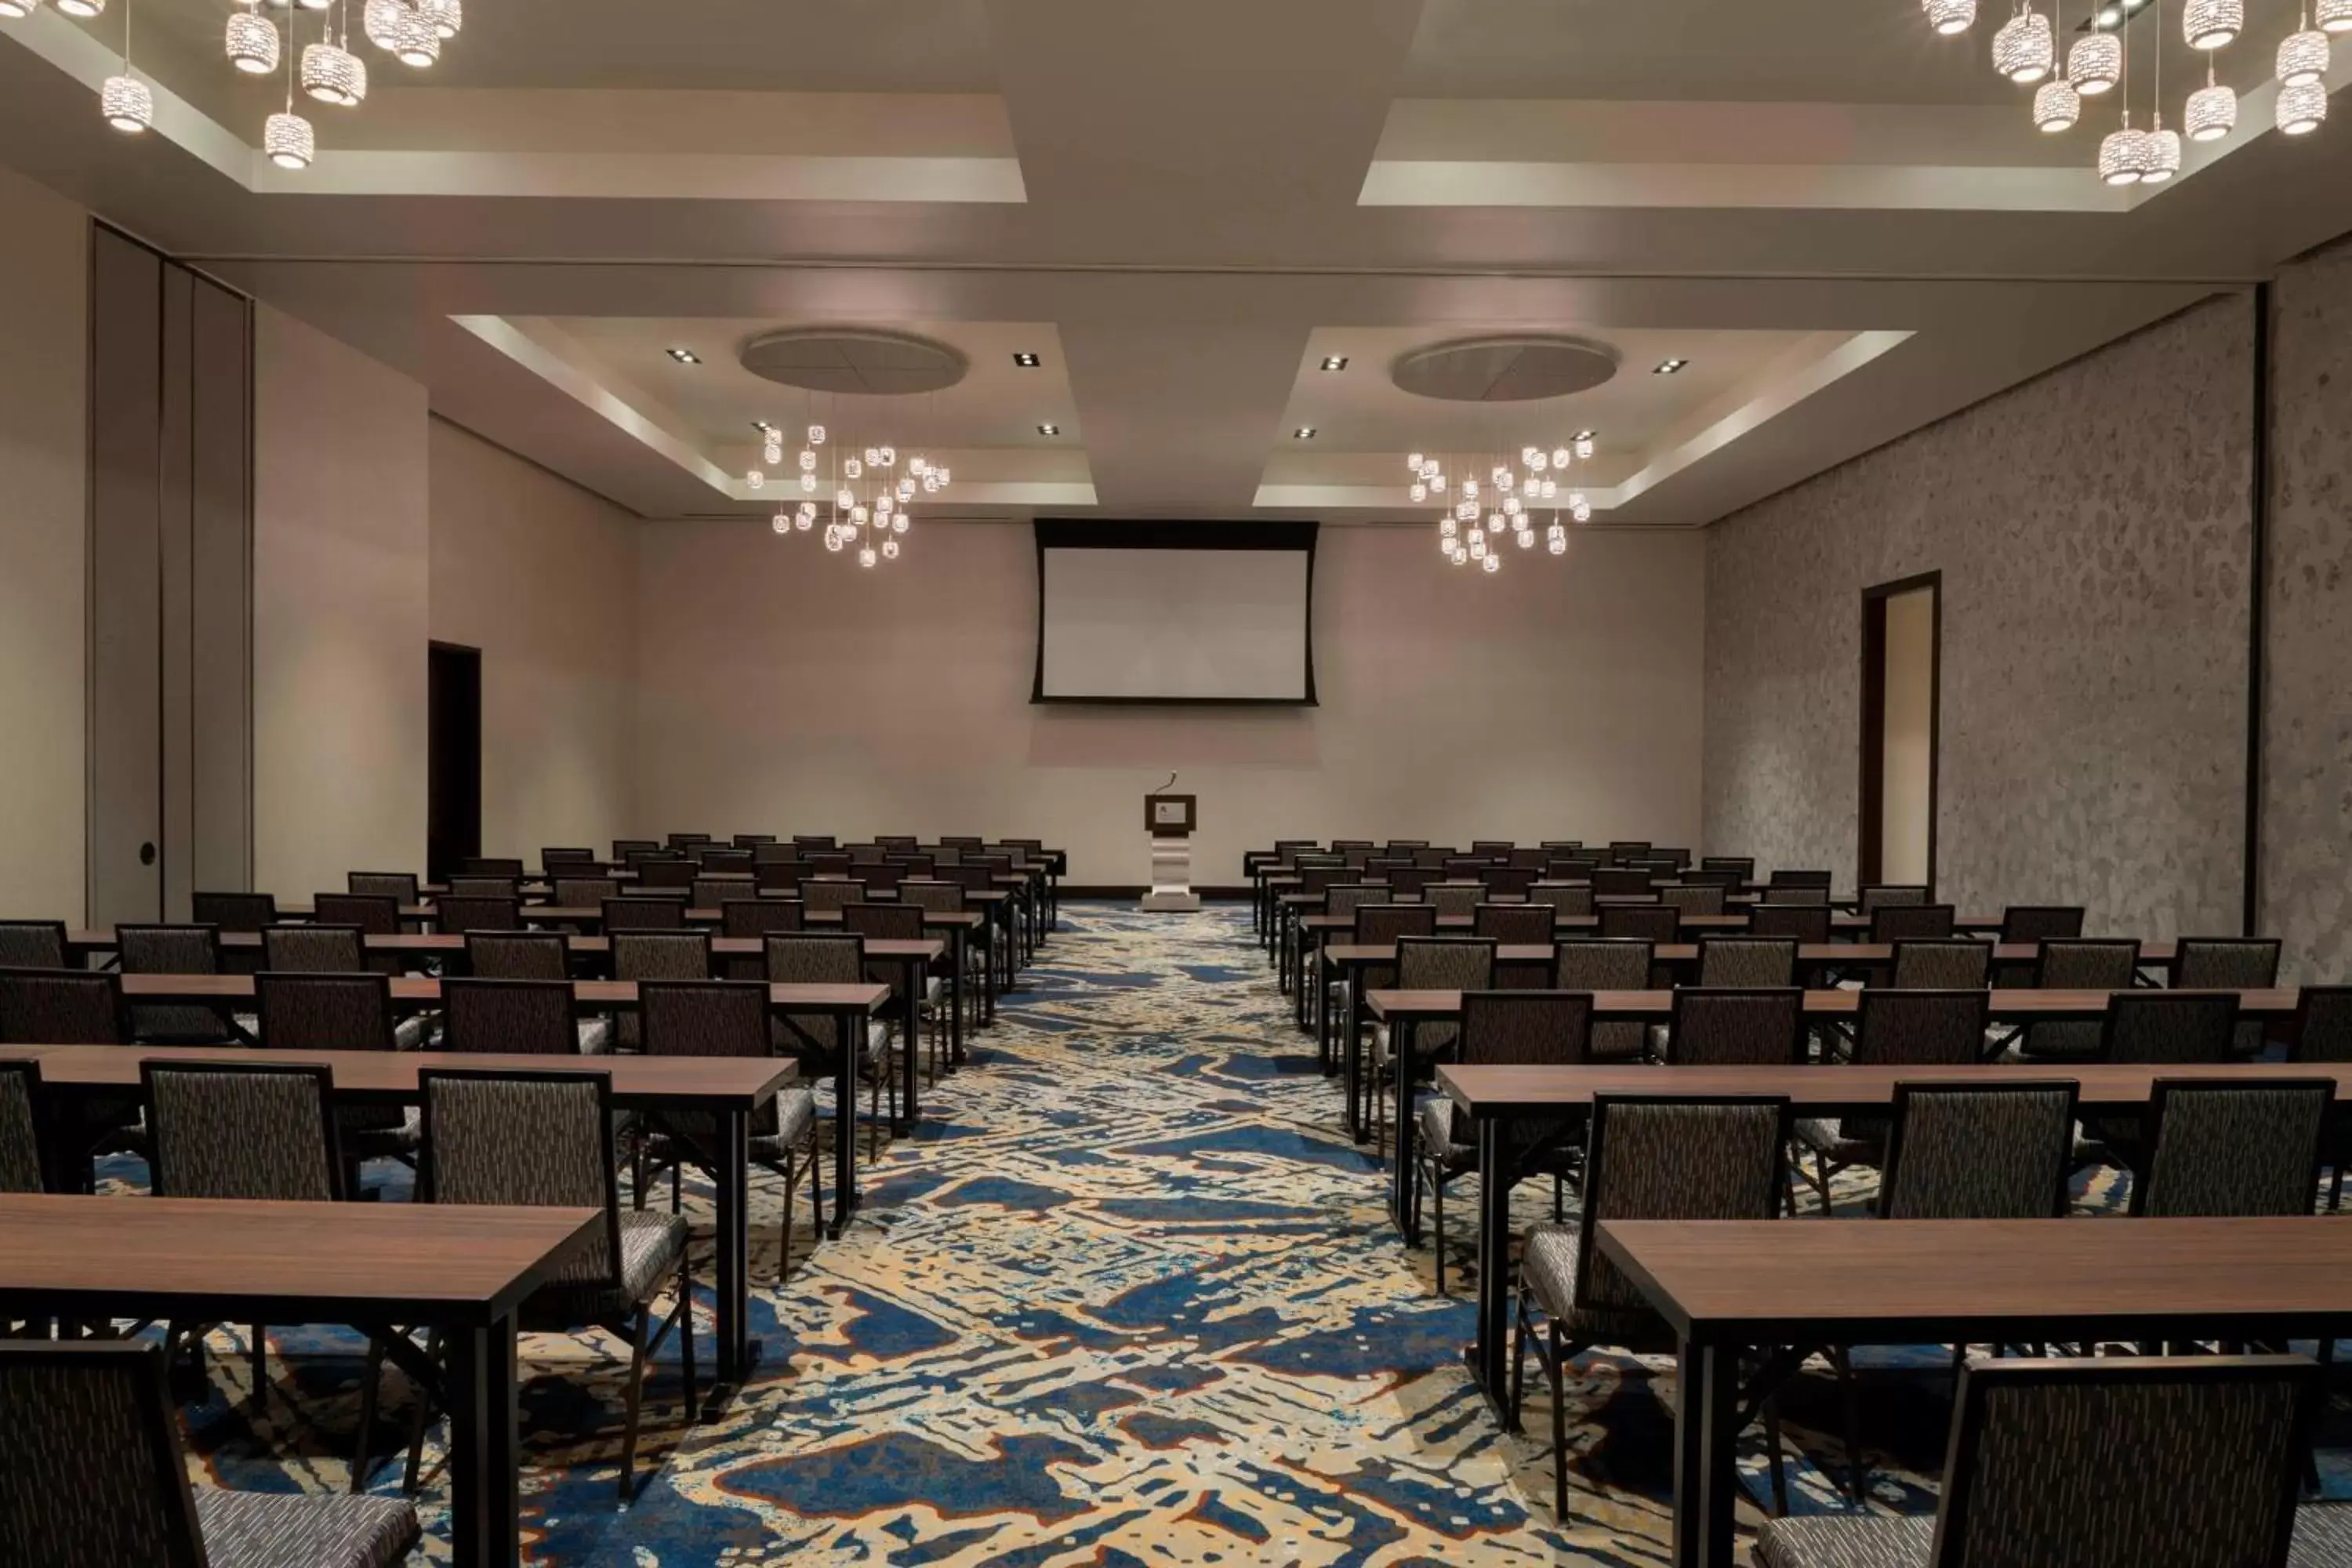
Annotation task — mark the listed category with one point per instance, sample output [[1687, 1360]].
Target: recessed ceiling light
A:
[[1335, 362], [1668, 367], [684, 356], [1304, 433], [1049, 429], [1027, 361]]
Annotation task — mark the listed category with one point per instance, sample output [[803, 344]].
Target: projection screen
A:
[[1175, 612]]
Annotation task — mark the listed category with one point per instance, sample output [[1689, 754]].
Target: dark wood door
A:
[[453, 826]]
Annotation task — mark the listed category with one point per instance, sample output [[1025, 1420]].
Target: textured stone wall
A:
[[2306, 877], [2093, 529]]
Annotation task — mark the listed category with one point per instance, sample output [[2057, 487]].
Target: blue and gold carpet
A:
[[1128, 1296]]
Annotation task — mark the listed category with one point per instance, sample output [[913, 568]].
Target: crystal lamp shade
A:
[[2159, 156], [2056, 106], [782, 522], [2211, 23], [2301, 109], [2095, 63], [1492, 562], [381, 21], [1949, 17], [2302, 57], [126, 103], [2333, 16], [1557, 545], [867, 557], [252, 42], [420, 41], [2023, 50], [2119, 156], [289, 141], [333, 74], [2212, 113]]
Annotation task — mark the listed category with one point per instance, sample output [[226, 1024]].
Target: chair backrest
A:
[[1379, 924], [314, 949], [33, 944], [778, 876], [1508, 880], [1450, 898], [883, 878], [20, 1127], [1444, 964], [714, 860], [2230, 963], [491, 866], [453, 912], [2040, 922], [774, 854], [400, 885], [661, 955], [1623, 849], [2125, 1462], [1565, 898], [1921, 1028], [1530, 858], [2077, 965], [816, 960], [1742, 866], [1692, 898], [1526, 1028], [678, 873], [1570, 867], [1431, 857], [324, 1012], [1953, 966], [217, 1129], [168, 949], [826, 863], [565, 855], [758, 917], [625, 847], [753, 840], [1736, 1027], [91, 1460], [519, 1018], [585, 893], [970, 876], [894, 842], [825, 895], [718, 893], [373, 914], [912, 865], [1805, 922], [646, 912], [541, 1140], [2169, 1026], [1612, 964], [484, 887], [1515, 926], [946, 855], [1876, 896], [1749, 961], [884, 922], [869, 853], [62, 1007], [1621, 881], [517, 955], [1701, 877], [1911, 923], [824, 840], [1411, 881], [932, 897], [1789, 876], [1967, 1151], [234, 911], [1649, 923], [2322, 1024], [2233, 1150], [705, 1018], [1798, 893], [1662, 1158], [681, 840], [1345, 898]]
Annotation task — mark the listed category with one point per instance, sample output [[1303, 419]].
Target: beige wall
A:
[[44, 459], [542, 577], [339, 619], [1905, 777], [787, 690]]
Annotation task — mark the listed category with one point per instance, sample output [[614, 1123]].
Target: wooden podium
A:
[[1170, 820]]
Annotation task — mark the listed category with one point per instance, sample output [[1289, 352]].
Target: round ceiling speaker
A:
[[858, 360], [1517, 369]]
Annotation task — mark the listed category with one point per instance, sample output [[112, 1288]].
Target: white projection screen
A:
[[1175, 612]]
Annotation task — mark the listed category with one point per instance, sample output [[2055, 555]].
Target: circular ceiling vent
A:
[[854, 359], [1504, 370]]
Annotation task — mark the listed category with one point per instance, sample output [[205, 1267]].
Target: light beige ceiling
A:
[[1843, 223]]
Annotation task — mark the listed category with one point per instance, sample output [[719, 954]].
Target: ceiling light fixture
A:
[[80, 10], [2057, 105], [2024, 49], [123, 99], [1340, 361], [1304, 433], [873, 489], [1515, 493], [2302, 57], [1669, 367], [2094, 64], [1049, 429], [2212, 111], [684, 356], [2333, 16], [2213, 24], [1950, 17], [1027, 361]]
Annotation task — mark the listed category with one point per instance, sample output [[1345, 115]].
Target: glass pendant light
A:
[[2023, 49], [2056, 106], [122, 98], [448, 15], [2303, 58], [333, 74], [381, 21], [2119, 157], [1949, 17], [2302, 110], [2213, 110], [252, 42], [2333, 16], [420, 41], [2095, 63], [2161, 155]]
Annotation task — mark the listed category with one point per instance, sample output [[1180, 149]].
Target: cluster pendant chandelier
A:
[[326, 70], [866, 498], [1510, 502], [2098, 63]]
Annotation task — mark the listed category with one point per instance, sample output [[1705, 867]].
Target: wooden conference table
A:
[[460, 1270], [1733, 1287], [730, 1090]]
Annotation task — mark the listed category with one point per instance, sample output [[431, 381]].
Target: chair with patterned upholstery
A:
[[1742, 866], [546, 1139], [1425, 963], [2030, 925], [676, 874], [540, 955], [1381, 925], [21, 1166], [1961, 1151], [2230, 963], [314, 949], [1957, 965], [234, 911], [2168, 1027], [2188, 1462], [456, 915], [644, 911], [1755, 1026], [1893, 1029], [1746, 961], [718, 893], [584, 892], [1515, 925], [62, 1007], [1878, 896], [551, 861], [1611, 965], [1808, 923], [2323, 1033], [1506, 1028], [1692, 898], [1796, 893], [398, 885], [485, 887], [93, 1474], [491, 866], [754, 919], [340, 1013], [1507, 881], [903, 922], [34, 944], [2073, 963], [1911, 923], [1342, 897], [1641, 922], [174, 950], [831, 895], [1459, 899], [1565, 898], [1645, 1158], [515, 1018], [625, 847], [822, 959], [729, 1018], [1621, 881], [373, 914], [655, 954], [2237, 1150]]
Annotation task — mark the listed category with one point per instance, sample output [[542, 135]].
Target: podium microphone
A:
[[1169, 785]]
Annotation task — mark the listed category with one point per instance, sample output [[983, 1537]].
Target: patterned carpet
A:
[[1130, 1297]]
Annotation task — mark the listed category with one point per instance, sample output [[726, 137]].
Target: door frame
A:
[[1869, 845]]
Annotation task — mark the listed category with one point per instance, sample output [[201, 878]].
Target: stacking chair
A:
[[2076, 964], [2164, 1028], [1807, 923], [625, 847], [1411, 881], [235, 911], [1621, 881], [1459, 899], [542, 956], [314, 949], [1746, 961], [1880, 896], [34, 944], [1622, 850], [1528, 859], [715, 861], [901, 922], [729, 1018], [347, 1012], [21, 1166], [1565, 898], [1612, 965], [655, 956], [646, 912], [825, 863], [882, 877], [1515, 925], [1741, 865], [1911, 923], [485, 886], [374, 914], [778, 876], [1506, 1028], [1345, 898], [63, 1007], [2323, 1033], [1377, 925], [1961, 1151], [1570, 868], [684, 841], [2231, 964], [824, 841], [2234, 1150], [2113, 1462], [457, 913], [677, 874], [174, 950], [513, 1017], [1692, 898], [565, 855], [1893, 1029], [773, 853], [756, 918], [2030, 925], [398, 885], [829, 896], [810, 959], [584, 892], [1425, 963], [1797, 892], [1509, 882], [1644, 922], [1736, 1027], [546, 1139], [89, 1441], [1789, 877], [1727, 880], [1645, 1159], [1954, 965], [718, 893], [507, 866]]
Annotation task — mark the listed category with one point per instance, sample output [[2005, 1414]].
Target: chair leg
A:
[[1822, 1172], [260, 1354], [1557, 1367], [784, 1230], [1559, 1198], [1518, 1356], [374, 1376], [418, 1424], [2335, 1190], [1437, 1232], [635, 1401], [686, 1335], [1780, 1464], [1856, 1476]]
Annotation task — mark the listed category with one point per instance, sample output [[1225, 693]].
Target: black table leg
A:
[[955, 996], [917, 976], [1706, 1480], [1351, 1056], [734, 1247], [484, 1490], [1403, 1176], [1489, 1352], [850, 1027]]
